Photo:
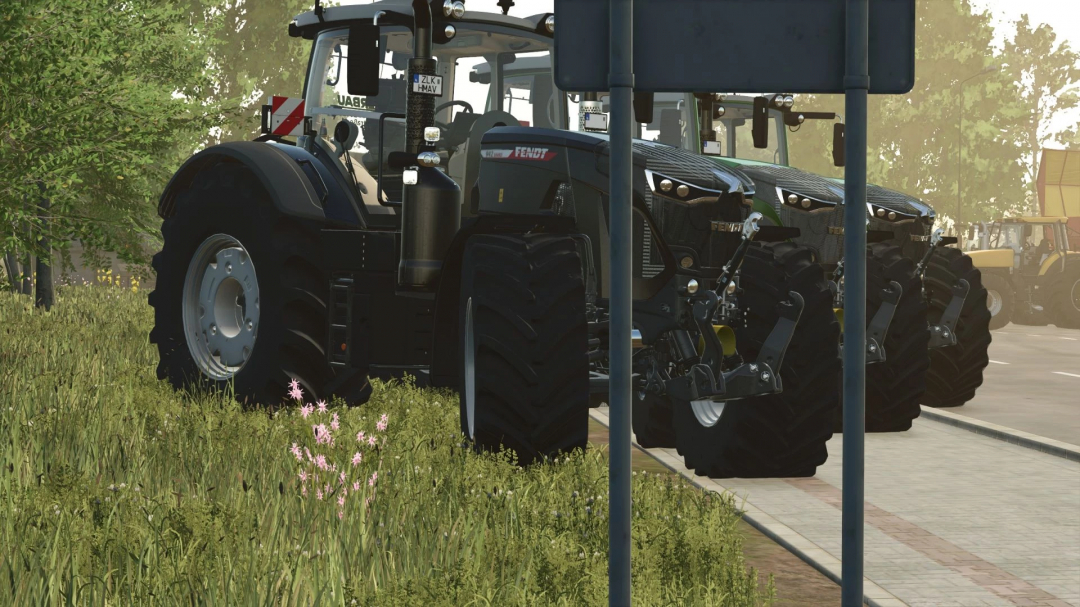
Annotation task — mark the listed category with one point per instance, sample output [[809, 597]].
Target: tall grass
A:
[[115, 490]]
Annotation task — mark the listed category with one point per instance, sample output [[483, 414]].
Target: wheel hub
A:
[[221, 307], [707, 412], [993, 302]]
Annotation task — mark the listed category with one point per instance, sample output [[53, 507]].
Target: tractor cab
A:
[[1034, 241], [473, 51]]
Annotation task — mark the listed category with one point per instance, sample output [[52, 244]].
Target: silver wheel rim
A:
[[707, 412], [470, 368], [221, 307], [993, 302]]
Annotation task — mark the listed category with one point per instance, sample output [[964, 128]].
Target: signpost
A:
[[810, 46]]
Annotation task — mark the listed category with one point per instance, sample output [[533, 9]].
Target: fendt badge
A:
[[519, 153]]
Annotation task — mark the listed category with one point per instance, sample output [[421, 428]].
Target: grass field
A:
[[115, 490]]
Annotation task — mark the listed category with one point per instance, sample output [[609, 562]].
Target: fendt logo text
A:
[[519, 153]]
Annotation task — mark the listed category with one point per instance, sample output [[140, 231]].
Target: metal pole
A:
[[856, 84], [621, 86]]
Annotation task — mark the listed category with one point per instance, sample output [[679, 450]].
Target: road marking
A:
[[1064, 373], [1068, 338], [998, 362]]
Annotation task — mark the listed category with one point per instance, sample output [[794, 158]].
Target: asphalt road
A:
[[1032, 382]]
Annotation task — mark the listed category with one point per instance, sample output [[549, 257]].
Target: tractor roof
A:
[[308, 24]]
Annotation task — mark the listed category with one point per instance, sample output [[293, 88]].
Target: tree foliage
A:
[[99, 103], [915, 139]]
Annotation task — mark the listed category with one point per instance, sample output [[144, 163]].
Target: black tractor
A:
[[437, 217]]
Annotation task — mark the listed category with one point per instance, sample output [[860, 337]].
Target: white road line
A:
[[1068, 338], [1064, 373], [998, 362]]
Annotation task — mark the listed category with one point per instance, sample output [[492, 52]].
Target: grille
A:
[[651, 263]]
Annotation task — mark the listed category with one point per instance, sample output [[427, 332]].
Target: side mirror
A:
[[760, 127], [643, 107], [345, 134], [838, 157], [363, 71]]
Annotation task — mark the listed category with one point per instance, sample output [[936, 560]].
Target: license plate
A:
[[427, 85]]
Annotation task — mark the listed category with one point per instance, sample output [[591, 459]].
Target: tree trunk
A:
[[11, 265], [44, 295], [44, 269], [27, 287]]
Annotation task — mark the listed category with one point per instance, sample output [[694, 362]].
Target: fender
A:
[[285, 181]]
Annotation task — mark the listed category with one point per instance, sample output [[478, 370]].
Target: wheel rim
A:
[[1074, 295], [470, 369], [221, 307], [707, 412], [993, 302]]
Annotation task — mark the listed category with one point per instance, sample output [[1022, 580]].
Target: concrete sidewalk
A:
[[953, 518]]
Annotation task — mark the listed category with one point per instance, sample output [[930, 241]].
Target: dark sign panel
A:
[[791, 46]]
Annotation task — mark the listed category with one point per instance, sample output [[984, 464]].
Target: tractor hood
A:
[[895, 201], [768, 177], [656, 158]]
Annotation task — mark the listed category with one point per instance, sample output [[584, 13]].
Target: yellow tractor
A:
[[1031, 276]]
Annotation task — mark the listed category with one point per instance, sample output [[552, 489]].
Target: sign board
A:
[[427, 85], [287, 116], [791, 46]]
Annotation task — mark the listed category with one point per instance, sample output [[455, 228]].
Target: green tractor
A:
[[436, 215], [942, 289]]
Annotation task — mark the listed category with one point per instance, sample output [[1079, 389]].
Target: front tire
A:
[[524, 371], [895, 386], [777, 435], [1065, 298], [957, 371]]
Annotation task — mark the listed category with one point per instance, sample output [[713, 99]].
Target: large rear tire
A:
[[524, 371], [259, 322], [1065, 298], [957, 371], [895, 386], [777, 435]]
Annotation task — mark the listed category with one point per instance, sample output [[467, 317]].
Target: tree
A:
[[253, 57], [914, 139], [1046, 74], [99, 102]]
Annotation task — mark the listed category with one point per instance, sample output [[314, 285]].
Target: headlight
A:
[[889, 215], [680, 191], [802, 202]]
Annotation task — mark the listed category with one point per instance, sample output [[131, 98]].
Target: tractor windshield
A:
[[736, 140], [521, 92]]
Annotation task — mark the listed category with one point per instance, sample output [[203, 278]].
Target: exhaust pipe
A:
[[431, 201]]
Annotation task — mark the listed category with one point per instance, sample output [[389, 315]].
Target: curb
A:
[[795, 543], [1016, 437]]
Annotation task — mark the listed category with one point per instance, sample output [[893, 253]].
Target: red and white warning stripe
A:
[[287, 116]]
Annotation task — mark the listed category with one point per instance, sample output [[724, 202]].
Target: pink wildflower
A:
[[327, 488], [356, 486], [341, 501], [296, 451], [305, 410], [294, 384], [303, 489], [320, 461], [303, 476], [307, 453], [384, 418], [341, 478], [360, 436], [357, 458], [318, 493], [380, 426], [374, 477], [340, 514], [294, 390], [322, 406], [335, 423], [371, 441]]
